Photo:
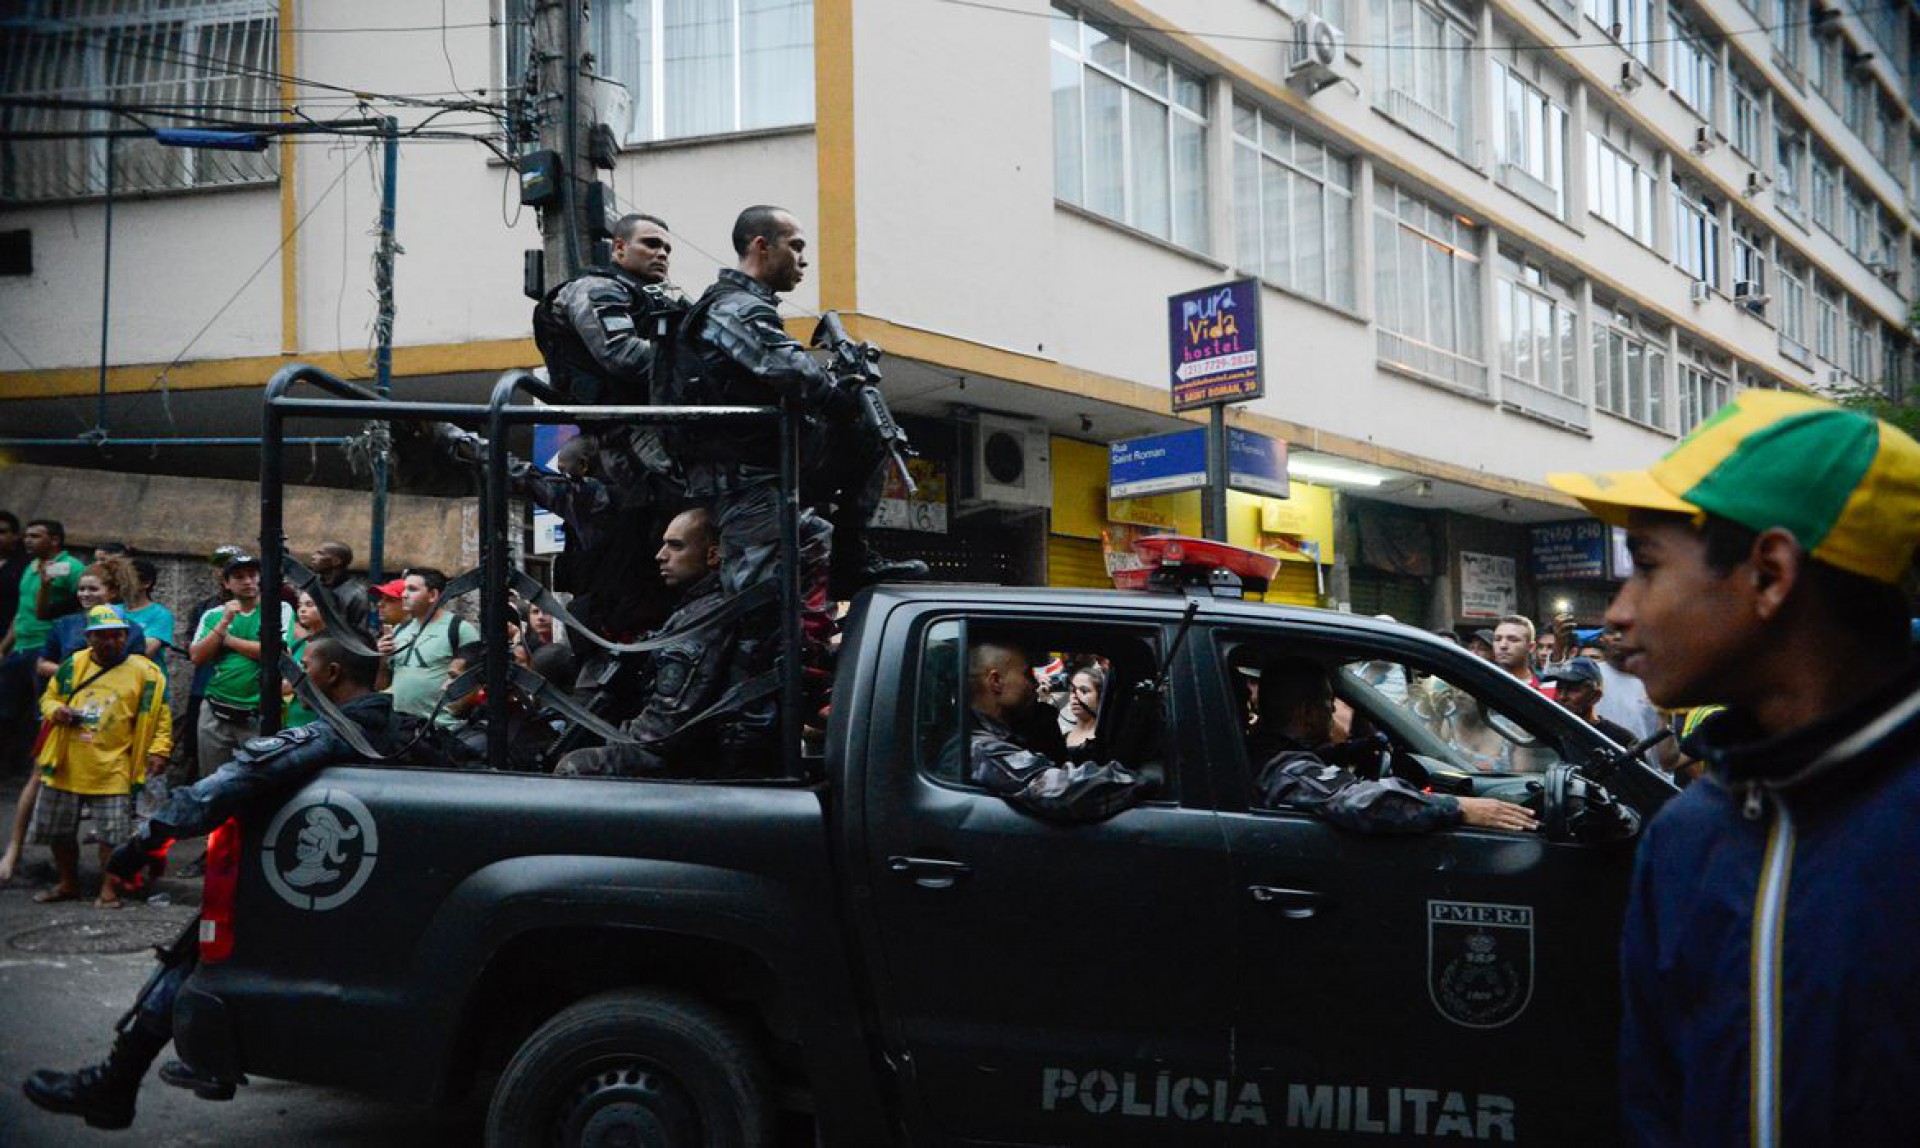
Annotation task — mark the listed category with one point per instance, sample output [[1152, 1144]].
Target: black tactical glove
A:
[[137, 860]]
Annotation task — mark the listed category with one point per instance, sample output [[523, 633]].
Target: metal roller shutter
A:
[[1076, 562], [1294, 584]]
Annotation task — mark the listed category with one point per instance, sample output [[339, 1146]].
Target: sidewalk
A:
[[35, 871]]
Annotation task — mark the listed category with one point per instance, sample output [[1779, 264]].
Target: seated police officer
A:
[[737, 352], [1298, 769], [264, 768], [1001, 691], [677, 731]]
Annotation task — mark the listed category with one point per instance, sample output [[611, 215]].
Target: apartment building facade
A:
[[1492, 240]]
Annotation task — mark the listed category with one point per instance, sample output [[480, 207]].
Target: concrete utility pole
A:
[[560, 51]]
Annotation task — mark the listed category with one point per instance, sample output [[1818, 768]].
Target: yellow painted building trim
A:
[[837, 242], [442, 359], [965, 357], [289, 200]]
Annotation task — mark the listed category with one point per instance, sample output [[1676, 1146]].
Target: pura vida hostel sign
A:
[[1213, 344]]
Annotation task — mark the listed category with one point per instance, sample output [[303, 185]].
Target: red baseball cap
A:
[[391, 589]]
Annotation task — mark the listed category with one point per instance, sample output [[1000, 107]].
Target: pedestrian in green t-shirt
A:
[[228, 639], [46, 593]]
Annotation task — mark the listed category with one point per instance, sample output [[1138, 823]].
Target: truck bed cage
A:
[[351, 402]]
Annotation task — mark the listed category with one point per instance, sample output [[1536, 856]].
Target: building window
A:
[[1785, 28], [1792, 313], [1628, 21], [1695, 71], [1427, 81], [1293, 207], [1826, 323], [1859, 342], [1859, 232], [1531, 145], [1704, 389], [1427, 288], [1629, 369], [1824, 191], [1696, 234], [1129, 132], [1789, 160], [1749, 262], [147, 53], [1749, 112], [1620, 189], [709, 67], [1538, 348]]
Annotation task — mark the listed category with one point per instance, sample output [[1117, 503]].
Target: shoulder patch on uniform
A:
[[285, 739], [617, 322]]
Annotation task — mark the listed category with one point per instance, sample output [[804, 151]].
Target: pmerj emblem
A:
[[1479, 961], [320, 850]]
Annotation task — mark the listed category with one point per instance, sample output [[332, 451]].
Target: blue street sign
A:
[[1157, 465], [1256, 464], [1569, 550]]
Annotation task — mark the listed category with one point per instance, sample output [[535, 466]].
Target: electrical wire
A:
[[160, 379]]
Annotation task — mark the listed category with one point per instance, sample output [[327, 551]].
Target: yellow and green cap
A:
[[1844, 484], [106, 618]]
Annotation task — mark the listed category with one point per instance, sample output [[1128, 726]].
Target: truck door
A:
[[1045, 982], [1453, 983]]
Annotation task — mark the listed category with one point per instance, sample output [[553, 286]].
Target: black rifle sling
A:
[[338, 628], [549, 696], [348, 729]]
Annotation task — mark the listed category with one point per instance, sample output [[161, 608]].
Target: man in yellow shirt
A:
[[110, 725]]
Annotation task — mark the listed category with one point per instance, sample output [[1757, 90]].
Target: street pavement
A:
[[68, 972]]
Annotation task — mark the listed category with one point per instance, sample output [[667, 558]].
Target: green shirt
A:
[[236, 677], [29, 632]]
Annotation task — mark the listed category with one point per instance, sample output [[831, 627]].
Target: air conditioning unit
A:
[[1698, 291], [1629, 76], [1748, 294], [1319, 55], [1702, 140], [1005, 464], [1881, 263], [1756, 183]]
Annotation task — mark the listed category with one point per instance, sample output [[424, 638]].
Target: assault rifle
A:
[[856, 367]]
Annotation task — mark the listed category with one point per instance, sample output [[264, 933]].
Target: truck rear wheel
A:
[[634, 1067]]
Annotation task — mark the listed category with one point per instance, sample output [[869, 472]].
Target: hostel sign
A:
[[1213, 343]]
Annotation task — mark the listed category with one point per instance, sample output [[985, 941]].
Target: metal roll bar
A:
[[353, 402]]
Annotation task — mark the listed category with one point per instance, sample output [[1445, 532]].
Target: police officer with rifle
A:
[[733, 350]]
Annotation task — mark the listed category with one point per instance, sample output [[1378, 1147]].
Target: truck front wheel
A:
[[634, 1067]]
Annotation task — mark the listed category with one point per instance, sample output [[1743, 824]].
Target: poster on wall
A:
[[925, 510], [1488, 586]]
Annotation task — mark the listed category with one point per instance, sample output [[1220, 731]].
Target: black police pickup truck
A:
[[911, 960]]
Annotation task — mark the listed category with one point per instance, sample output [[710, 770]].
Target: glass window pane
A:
[[1106, 150], [1067, 140], [1147, 139], [776, 63], [697, 55]]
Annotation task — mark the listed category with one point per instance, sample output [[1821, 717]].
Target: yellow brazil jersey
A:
[[123, 717]]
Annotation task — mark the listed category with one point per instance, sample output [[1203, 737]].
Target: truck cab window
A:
[[1071, 694]]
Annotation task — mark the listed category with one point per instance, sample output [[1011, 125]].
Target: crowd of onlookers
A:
[[109, 695]]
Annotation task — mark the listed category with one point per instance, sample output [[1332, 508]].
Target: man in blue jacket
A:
[[1771, 956]]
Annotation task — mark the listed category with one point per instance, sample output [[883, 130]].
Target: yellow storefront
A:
[[1086, 527]]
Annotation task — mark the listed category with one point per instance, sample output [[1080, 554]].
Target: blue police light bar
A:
[[210, 139]]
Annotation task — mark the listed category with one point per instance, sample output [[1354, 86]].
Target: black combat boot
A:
[[103, 1093], [180, 1074]]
